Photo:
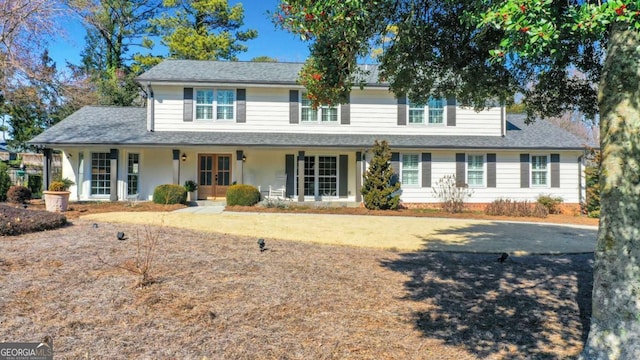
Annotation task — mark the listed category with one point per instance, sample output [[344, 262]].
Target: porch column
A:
[[240, 166], [113, 191], [301, 176], [176, 166], [46, 167], [358, 176]]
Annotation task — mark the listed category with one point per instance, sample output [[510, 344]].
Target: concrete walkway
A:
[[389, 232]]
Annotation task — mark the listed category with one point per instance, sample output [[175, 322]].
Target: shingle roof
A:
[[236, 72], [126, 126]]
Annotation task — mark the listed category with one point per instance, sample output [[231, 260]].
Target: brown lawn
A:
[[217, 296]]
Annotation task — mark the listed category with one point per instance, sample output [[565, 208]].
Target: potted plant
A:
[[56, 199], [191, 186]]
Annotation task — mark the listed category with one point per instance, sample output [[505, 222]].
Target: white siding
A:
[[507, 179], [373, 111]]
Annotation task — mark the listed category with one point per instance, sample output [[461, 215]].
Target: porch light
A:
[[184, 157], [244, 157]]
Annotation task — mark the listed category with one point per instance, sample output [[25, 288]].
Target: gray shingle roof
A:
[[126, 126], [236, 72]]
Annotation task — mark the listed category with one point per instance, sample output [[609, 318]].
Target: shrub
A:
[[271, 203], [592, 182], [551, 203], [243, 195], [379, 189], [506, 207], [17, 221], [18, 194], [190, 185], [5, 181], [35, 184], [169, 194], [594, 214], [451, 196], [57, 186]]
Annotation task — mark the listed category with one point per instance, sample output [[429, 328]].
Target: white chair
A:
[[279, 189]]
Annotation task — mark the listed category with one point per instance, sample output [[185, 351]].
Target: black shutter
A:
[[289, 166], [451, 112], [294, 107], [343, 181], [395, 165], [524, 170], [345, 112], [461, 179], [402, 110], [426, 170], [188, 104], [241, 105], [555, 170], [491, 170]]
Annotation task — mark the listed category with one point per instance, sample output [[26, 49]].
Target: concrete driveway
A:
[[389, 232]]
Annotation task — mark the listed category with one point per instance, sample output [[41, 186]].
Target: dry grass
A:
[[217, 296]]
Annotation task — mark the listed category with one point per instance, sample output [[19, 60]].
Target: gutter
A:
[[151, 108]]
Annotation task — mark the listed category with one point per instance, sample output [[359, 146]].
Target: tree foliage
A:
[[562, 55], [380, 190], [199, 30]]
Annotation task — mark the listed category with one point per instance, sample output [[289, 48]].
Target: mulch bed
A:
[[218, 296]]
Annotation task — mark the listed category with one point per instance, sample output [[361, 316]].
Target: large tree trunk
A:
[[615, 322]]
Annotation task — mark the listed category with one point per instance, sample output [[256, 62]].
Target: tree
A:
[[264, 58], [562, 55], [201, 30], [380, 188], [25, 27], [113, 28]]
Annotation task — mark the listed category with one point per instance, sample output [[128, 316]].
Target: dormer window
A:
[[326, 114], [214, 101], [432, 113]]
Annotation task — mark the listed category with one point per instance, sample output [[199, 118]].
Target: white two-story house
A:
[[220, 123]]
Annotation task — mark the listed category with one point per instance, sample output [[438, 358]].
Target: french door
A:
[[214, 175]]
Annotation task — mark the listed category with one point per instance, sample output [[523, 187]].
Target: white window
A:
[[133, 172], [410, 172], [100, 173], [320, 176], [432, 112], [326, 114], [475, 170], [539, 166], [222, 104]]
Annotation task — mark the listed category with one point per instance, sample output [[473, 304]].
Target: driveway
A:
[[396, 233]]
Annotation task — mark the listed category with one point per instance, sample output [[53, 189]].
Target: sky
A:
[[272, 42]]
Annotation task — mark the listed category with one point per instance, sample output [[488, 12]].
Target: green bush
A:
[[380, 190], [5, 181], [594, 214], [551, 203], [243, 195], [170, 194], [507, 207], [35, 183], [18, 194]]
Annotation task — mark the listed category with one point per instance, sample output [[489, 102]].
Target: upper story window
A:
[[410, 169], [326, 114], [475, 170], [539, 170], [431, 113], [214, 101]]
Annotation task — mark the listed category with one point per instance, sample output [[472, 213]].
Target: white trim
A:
[[484, 170], [214, 104], [547, 171], [319, 111], [418, 183], [425, 114]]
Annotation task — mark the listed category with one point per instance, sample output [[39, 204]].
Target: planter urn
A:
[[56, 201]]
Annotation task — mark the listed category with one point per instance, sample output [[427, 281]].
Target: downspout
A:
[[151, 108], [503, 120], [581, 200]]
